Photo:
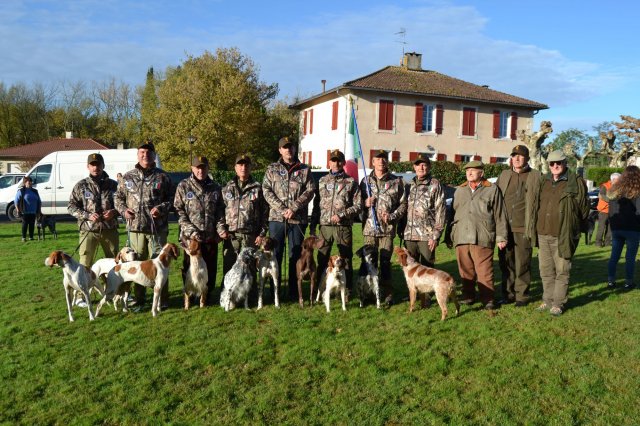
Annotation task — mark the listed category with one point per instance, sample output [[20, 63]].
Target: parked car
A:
[[9, 179], [593, 198]]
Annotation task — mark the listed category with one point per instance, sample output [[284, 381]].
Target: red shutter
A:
[[439, 119], [514, 125], [372, 152], [468, 122], [457, 158], [385, 115], [395, 156], [419, 111], [304, 122], [412, 156], [311, 121], [441, 157], [328, 157], [493, 160], [496, 124], [334, 115], [310, 158], [477, 158]]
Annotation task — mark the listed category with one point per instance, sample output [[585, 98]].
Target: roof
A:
[[395, 79], [40, 149]]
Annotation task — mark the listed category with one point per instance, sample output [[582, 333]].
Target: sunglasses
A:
[[555, 163]]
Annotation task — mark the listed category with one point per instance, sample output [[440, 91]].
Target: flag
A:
[[352, 149]]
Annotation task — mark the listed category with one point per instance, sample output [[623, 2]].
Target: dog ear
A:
[[118, 257], [318, 243], [332, 263]]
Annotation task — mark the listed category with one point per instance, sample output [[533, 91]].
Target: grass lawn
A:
[[293, 366]]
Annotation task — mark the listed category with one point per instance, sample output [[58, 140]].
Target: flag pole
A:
[[376, 225]]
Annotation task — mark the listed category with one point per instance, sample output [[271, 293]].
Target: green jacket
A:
[[573, 211], [531, 198]]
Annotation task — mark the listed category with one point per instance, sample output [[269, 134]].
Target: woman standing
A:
[[28, 204], [624, 219]]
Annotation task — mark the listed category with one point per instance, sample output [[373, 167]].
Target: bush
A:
[[600, 175], [447, 172]]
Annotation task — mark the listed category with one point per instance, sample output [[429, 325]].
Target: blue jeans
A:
[[619, 238], [295, 235]]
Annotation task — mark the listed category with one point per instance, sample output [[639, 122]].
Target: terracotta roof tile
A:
[[40, 149]]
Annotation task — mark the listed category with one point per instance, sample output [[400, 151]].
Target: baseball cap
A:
[[520, 150], [336, 154], [243, 158], [200, 161], [422, 157], [95, 158]]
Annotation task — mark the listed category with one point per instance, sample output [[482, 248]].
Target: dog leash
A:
[[84, 238]]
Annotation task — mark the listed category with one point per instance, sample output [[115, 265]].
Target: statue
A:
[[534, 143]]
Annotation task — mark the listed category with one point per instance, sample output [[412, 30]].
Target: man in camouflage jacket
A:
[[336, 203], [143, 200], [288, 187], [246, 212], [91, 202], [200, 210], [388, 204]]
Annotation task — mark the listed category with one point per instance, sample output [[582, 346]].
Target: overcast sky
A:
[[580, 58]]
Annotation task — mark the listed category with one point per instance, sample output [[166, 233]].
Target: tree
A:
[[280, 121], [219, 99], [630, 128], [578, 138], [148, 106], [116, 110]]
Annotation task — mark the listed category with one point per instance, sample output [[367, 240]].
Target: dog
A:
[[368, 280], [267, 267], [195, 279], [590, 226], [239, 280], [423, 279], [306, 266], [43, 222], [76, 277], [149, 273], [334, 279]]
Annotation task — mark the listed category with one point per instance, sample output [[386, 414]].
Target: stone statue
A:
[[534, 143]]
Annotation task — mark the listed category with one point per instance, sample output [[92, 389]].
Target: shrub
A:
[[600, 175], [447, 172]]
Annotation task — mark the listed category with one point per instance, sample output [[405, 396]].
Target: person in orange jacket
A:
[[603, 236]]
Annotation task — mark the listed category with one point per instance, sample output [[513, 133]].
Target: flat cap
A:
[[475, 164], [243, 158], [422, 157], [556, 155], [336, 154], [520, 150], [200, 161], [95, 158]]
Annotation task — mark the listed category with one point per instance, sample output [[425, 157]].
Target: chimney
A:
[[120, 145], [68, 135], [412, 61], [324, 82]]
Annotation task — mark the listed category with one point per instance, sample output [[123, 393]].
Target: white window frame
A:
[[425, 114]]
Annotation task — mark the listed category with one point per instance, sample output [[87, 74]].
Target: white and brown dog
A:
[[239, 280], [368, 280], [195, 279], [422, 279], [334, 280], [267, 267], [149, 273], [75, 277]]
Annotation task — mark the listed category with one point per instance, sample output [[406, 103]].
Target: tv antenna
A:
[[403, 34]]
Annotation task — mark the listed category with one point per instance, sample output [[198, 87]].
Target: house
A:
[[405, 110], [20, 158]]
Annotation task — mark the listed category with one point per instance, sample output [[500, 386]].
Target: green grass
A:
[[295, 366]]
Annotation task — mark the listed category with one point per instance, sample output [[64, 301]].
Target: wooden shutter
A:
[[304, 122], [468, 121], [328, 157], [457, 158], [385, 115], [496, 124], [493, 160], [439, 119], [311, 121], [412, 156], [419, 112], [441, 157], [310, 158], [372, 152], [334, 115], [395, 155], [476, 158], [514, 125]]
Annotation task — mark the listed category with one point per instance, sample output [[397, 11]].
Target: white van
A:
[[56, 174]]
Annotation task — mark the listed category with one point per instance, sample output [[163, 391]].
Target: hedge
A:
[[600, 175], [447, 172]]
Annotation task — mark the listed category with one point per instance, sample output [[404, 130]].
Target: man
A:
[[479, 222], [288, 187], [92, 203], [519, 186], [246, 212], [603, 236], [200, 210], [383, 207], [143, 200], [336, 203], [562, 207]]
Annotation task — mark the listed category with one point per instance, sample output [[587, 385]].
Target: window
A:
[[468, 121], [505, 124], [385, 114], [334, 115], [463, 158], [41, 174], [428, 118], [499, 160]]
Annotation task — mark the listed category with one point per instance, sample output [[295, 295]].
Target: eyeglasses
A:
[[556, 163]]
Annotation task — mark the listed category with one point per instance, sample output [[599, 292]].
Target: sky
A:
[[581, 58]]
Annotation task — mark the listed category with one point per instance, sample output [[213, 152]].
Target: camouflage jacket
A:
[[390, 198], [90, 196], [246, 210], [337, 194], [200, 209], [141, 190], [426, 210], [288, 189]]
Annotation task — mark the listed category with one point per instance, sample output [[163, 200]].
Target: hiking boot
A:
[[467, 301], [490, 306], [543, 307], [521, 304], [629, 286], [24, 240], [611, 284], [555, 311]]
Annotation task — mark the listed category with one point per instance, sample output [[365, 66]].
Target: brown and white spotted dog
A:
[[334, 280], [422, 279], [77, 277], [195, 279], [149, 273], [306, 266]]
